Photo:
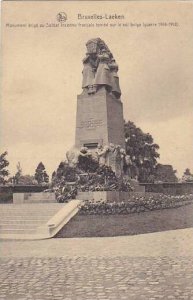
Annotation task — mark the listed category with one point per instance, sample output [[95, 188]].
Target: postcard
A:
[[96, 164]]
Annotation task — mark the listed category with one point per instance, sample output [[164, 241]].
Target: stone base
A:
[[108, 196], [19, 198], [136, 186]]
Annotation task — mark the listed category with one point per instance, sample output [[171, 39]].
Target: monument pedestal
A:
[[99, 120], [136, 186], [109, 196]]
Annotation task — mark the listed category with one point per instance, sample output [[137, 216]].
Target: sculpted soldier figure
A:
[[115, 80], [88, 76], [102, 154], [74, 155], [100, 69], [90, 63], [103, 75]]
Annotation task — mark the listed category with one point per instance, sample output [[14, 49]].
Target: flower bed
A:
[[135, 205]]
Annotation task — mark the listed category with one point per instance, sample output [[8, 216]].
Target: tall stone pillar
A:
[[99, 120]]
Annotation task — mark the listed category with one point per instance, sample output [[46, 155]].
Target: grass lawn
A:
[[131, 224]]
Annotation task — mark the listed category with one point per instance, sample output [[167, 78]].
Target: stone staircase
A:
[[25, 219], [35, 220]]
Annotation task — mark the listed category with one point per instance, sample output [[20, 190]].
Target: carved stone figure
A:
[[88, 75], [103, 74], [127, 165], [72, 156], [118, 167], [115, 79], [100, 69], [102, 154], [90, 63]]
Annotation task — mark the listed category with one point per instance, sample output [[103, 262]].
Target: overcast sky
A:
[[42, 74]]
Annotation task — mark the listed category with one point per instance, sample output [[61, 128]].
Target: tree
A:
[[187, 172], [65, 172], [187, 176], [18, 174], [40, 174], [3, 165], [142, 151], [27, 180], [165, 173]]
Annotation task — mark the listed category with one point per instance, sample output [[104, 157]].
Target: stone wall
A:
[[109, 196], [6, 191], [23, 188], [171, 188], [41, 197]]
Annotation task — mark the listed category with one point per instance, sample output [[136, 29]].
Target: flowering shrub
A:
[[104, 179], [135, 205], [68, 181]]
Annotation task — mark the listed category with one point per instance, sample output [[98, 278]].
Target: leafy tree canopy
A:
[[18, 174], [142, 151], [27, 180], [187, 176], [187, 172], [3, 168], [165, 173], [40, 174]]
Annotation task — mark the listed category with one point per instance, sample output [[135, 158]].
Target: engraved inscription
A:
[[91, 123]]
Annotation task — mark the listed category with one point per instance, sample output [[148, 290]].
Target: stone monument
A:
[[99, 116]]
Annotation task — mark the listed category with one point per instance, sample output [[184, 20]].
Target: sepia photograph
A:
[[96, 150]]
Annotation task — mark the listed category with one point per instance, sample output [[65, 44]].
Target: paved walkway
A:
[[167, 243], [149, 266]]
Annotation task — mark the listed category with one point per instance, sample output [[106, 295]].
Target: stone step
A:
[[21, 217], [23, 212], [39, 201], [30, 205], [25, 218], [17, 231], [35, 221], [18, 226], [28, 211], [19, 221], [25, 208]]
